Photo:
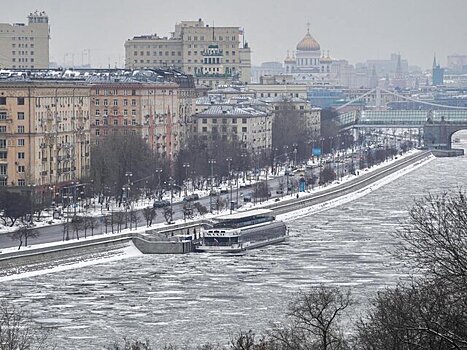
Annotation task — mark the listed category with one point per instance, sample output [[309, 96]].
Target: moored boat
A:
[[242, 231]]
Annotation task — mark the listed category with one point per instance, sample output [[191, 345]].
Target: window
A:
[[125, 102], [205, 121], [125, 112], [98, 122], [3, 169], [116, 122], [234, 121], [3, 128], [125, 121], [244, 120], [115, 112], [21, 182], [205, 129], [98, 112], [244, 129], [20, 168], [21, 101], [20, 129], [20, 155], [98, 132], [133, 112], [133, 102], [214, 129], [96, 102], [2, 100], [3, 155], [2, 143], [20, 142], [214, 121], [106, 102], [106, 112], [20, 115]]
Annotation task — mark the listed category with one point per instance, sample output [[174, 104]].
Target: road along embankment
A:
[[173, 239], [354, 185]]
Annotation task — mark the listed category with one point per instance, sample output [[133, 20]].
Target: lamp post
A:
[[295, 147], [128, 176], [211, 162], [320, 165], [186, 166], [243, 156], [229, 163], [159, 192]]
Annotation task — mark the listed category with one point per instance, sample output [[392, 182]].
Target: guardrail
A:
[[343, 189]]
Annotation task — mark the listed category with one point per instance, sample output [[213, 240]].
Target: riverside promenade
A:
[[174, 239]]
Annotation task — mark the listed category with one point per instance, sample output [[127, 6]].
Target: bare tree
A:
[[130, 345], [23, 233], [435, 237], [168, 214], [17, 332], [149, 214], [77, 223], [315, 320]]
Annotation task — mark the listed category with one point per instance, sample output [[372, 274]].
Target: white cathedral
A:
[[307, 64]]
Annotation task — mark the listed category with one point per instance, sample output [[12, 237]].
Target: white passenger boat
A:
[[241, 231]]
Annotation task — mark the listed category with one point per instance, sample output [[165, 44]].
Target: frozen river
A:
[[196, 298]]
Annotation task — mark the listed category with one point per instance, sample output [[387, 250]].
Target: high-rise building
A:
[[213, 55], [437, 74], [25, 46]]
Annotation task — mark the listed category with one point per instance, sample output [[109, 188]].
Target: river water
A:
[[197, 298]]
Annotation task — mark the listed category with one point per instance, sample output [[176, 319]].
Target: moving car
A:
[[161, 204]]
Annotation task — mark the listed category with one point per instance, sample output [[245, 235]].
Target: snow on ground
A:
[[132, 251], [248, 206], [124, 253]]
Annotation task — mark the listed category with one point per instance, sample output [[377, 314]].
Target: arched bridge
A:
[[438, 126]]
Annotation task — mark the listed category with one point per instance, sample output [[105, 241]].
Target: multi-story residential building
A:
[[247, 125], [157, 109], [25, 46], [189, 48], [44, 132]]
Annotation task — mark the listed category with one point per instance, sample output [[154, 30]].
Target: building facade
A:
[[247, 125], [187, 48], [25, 46], [159, 112], [44, 133]]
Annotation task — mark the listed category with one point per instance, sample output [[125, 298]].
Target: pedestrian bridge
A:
[[438, 126]]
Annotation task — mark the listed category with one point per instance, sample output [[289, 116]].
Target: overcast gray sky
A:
[[355, 30]]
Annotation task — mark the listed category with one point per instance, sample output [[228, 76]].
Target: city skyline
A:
[[355, 31]]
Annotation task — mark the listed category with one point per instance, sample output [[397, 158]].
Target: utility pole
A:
[[212, 162], [229, 162]]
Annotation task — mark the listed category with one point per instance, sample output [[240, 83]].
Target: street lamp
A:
[[295, 146], [229, 162], [186, 166], [128, 176], [212, 162], [159, 192]]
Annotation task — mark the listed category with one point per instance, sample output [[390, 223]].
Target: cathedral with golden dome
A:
[[308, 63]]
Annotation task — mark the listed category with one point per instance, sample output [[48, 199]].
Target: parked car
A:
[[247, 198], [213, 193], [224, 190], [191, 197], [161, 204]]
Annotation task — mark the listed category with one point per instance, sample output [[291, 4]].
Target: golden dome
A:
[[308, 43]]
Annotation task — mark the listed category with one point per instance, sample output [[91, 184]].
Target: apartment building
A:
[[44, 132], [25, 46], [187, 49], [158, 112], [157, 105], [247, 125]]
